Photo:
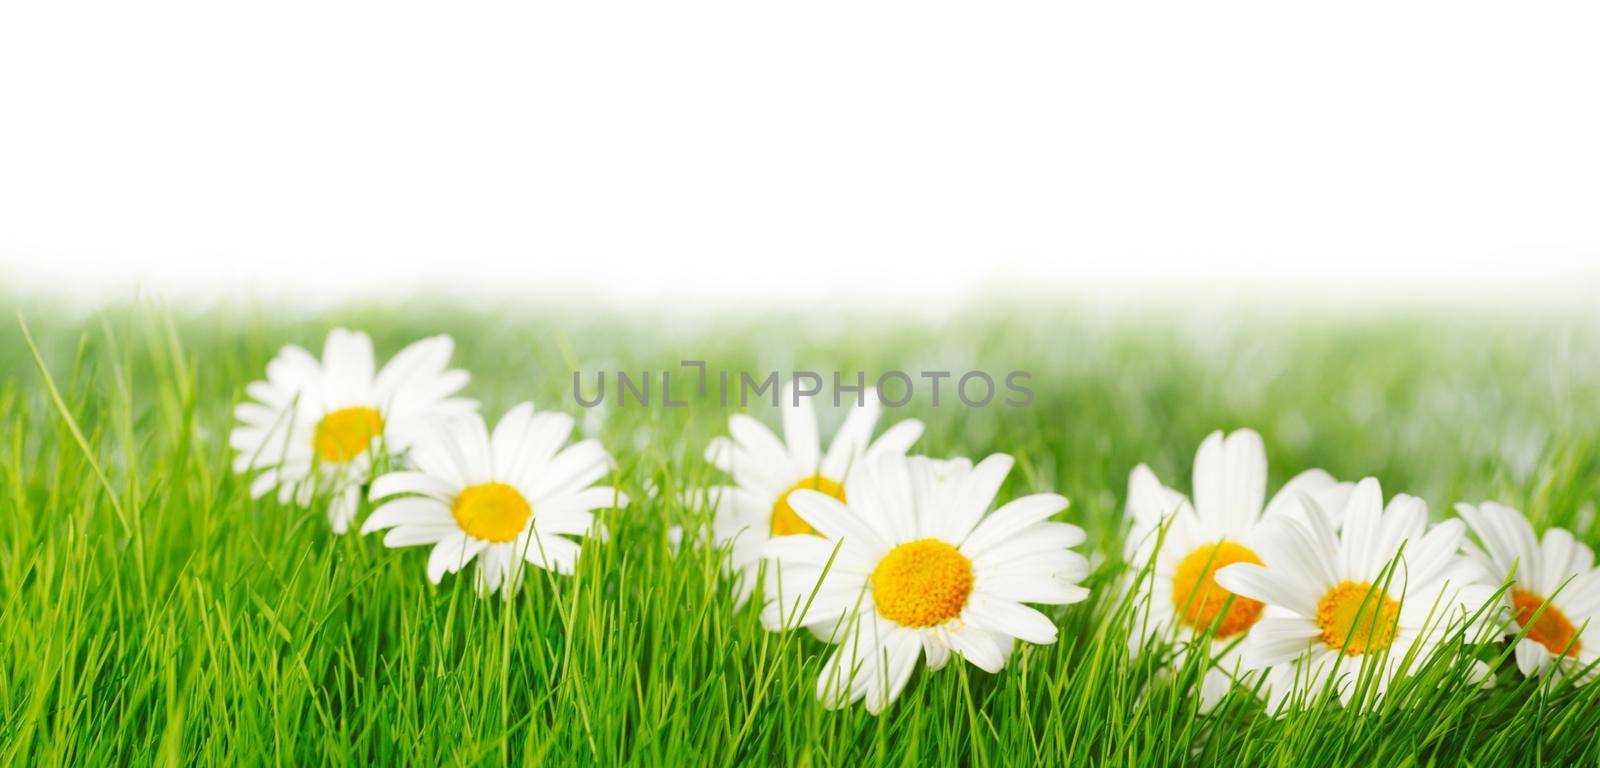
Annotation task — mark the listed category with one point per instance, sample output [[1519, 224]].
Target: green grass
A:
[[150, 612]]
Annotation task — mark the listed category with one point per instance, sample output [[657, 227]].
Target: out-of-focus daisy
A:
[[766, 470], [1382, 587], [1185, 544], [1558, 576], [920, 567], [502, 499], [317, 425]]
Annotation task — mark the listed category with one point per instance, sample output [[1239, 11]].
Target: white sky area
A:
[[899, 153]]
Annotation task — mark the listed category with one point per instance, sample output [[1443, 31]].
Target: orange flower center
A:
[[1199, 600], [1552, 629], [346, 433], [491, 511], [785, 522], [1357, 619], [922, 583]]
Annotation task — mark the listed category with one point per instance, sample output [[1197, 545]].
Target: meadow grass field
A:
[[152, 612]]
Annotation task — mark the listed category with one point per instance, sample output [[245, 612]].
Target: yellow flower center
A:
[[1357, 619], [922, 584], [784, 521], [1552, 629], [346, 433], [1198, 598], [491, 511]]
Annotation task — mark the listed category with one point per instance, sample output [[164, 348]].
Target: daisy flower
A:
[[915, 565], [1382, 588], [765, 469], [503, 499], [1186, 543], [1557, 575], [317, 425]]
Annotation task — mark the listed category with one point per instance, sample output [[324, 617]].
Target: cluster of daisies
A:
[[1327, 585], [341, 427], [891, 558], [894, 558]]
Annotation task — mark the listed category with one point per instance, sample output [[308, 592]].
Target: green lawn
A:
[[150, 611]]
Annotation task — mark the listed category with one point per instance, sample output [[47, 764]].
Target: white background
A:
[[756, 151]]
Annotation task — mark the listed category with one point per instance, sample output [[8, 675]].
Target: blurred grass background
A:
[[164, 617]]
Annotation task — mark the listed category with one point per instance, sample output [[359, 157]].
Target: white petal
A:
[[935, 649], [800, 431], [719, 454], [416, 365], [455, 451], [850, 443], [1289, 500], [834, 521], [292, 370], [881, 496], [896, 439], [1214, 686], [976, 646], [1429, 556], [348, 364], [813, 551], [264, 392], [1561, 557], [808, 604], [491, 571], [970, 497], [433, 453], [551, 552], [573, 469], [1230, 481], [546, 432], [263, 484], [1581, 598], [1513, 540], [1270, 586], [841, 681], [1405, 520], [1010, 519], [412, 535], [550, 523], [395, 483], [1302, 545], [901, 648], [470, 441], [1056, 589], [588, 499], [1149, 502], [260, 416], [507, 439], [451, 554], [1014, 619], [1277, 640], [342, 508], [764, 448], [1036, 538], [1533, 658], [408, 511], [1360, 534]]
